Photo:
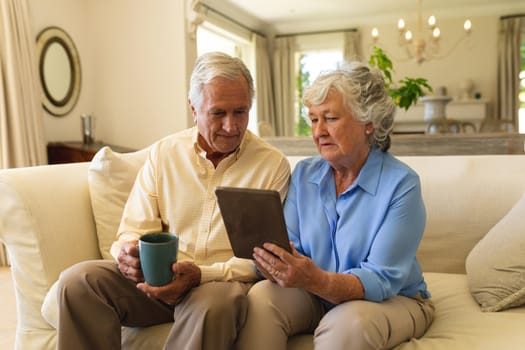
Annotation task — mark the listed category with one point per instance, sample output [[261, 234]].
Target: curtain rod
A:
[[513, 16], [232, 20], [318, 32]]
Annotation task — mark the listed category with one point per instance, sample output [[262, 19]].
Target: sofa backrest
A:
[[464, 197]]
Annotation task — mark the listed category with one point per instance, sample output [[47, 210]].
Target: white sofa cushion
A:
[[111, 176], [459, 322], [496, 265]]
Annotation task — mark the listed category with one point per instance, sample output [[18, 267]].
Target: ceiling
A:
[[288, 16]]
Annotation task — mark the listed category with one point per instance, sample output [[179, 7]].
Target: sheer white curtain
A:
[[352, 46], [264, 89], [509, 66], [284, 85], [22, 140]]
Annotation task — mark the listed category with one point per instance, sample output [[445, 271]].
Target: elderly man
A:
[[174, 192]]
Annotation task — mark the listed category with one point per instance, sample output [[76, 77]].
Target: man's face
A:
[[222, 117]]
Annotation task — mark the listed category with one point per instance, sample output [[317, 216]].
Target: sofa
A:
[[472, 252]]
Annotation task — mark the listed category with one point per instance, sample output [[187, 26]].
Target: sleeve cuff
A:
[[125, 237], [235, 269], [210, 273]]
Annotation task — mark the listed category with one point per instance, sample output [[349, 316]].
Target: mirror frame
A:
[[47, 37]]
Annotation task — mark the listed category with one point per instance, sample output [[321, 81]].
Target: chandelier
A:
[[423, 45]]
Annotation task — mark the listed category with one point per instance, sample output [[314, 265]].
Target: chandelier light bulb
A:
[[467, 26], [408, 36], [436, 33], [432, 21], [375, 33], [401, 24]]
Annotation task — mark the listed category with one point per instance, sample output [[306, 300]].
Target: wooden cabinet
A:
[[73, 151]]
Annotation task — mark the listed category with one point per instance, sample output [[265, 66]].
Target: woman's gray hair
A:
[[212, 65], [364, 94]]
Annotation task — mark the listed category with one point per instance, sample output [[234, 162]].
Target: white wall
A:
[[135, 61], [70, 16]]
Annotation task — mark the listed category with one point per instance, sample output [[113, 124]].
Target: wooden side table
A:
[[76, 151]]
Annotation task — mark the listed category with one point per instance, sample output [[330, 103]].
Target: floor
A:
[[8, 313]]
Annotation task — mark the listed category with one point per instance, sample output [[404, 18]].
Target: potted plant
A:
[[407, 91]]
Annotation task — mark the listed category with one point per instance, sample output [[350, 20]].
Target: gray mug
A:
[[158, 252]]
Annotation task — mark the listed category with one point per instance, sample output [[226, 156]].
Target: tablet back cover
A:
[[252, 217]]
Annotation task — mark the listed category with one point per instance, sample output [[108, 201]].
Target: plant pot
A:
[[435, 107]]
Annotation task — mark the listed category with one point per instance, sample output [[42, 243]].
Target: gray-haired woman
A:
[[355, 217]]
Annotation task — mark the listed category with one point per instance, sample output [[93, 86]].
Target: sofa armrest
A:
[[46, 223]]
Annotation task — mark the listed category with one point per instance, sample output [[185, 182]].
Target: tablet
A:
[[252, 217]]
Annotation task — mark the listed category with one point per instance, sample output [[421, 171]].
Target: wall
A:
[[71, 16], [135, 59]]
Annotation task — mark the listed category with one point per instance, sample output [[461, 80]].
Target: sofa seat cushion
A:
[[459, 323]]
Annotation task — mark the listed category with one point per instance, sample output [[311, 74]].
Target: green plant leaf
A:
[[407, 91], [381, 60]]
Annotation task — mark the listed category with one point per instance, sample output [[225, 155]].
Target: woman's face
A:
[[340, 139]]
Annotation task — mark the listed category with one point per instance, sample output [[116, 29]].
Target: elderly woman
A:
[[355, 217]]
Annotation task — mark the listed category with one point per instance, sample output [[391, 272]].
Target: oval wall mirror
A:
[[59, 68]]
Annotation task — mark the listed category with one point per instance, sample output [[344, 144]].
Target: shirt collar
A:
[[202, 153], [368, 178]]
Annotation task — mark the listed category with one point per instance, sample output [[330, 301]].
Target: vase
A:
[[87, 128], [435, 107]]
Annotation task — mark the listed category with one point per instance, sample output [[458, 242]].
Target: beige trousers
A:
[[95, 300], [275, 313]]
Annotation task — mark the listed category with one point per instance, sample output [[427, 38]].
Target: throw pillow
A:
[[111, 176], [496, 265]]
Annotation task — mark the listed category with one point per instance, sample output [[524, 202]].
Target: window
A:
[[211, 37], [315, 54], [311, 64], [209, 40]]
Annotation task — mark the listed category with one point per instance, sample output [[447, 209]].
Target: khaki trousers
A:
[[95, 300], [275, 313]]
